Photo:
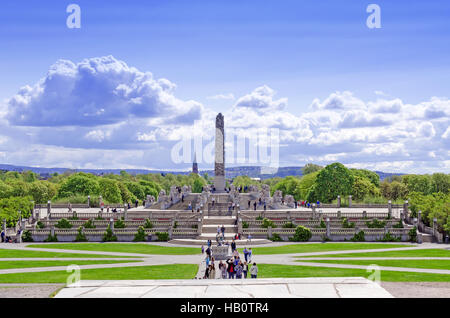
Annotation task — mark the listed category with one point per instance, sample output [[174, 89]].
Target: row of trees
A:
[[76, 187]]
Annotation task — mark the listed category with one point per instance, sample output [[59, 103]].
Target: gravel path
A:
[[418, 290], [28, 290]]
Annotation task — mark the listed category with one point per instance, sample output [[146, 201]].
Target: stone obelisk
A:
[[219, 164]]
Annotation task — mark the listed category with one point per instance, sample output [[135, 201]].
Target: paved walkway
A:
[[333, 287]]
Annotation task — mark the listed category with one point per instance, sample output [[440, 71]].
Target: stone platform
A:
[[333, 287], [204, 242]]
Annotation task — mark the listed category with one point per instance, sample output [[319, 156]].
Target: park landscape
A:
[[150, 150]]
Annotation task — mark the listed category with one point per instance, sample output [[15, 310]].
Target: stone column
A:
[[389, 209], [111, 224], [269, 231], [219, 164], [349, 201], [338, 201], [49, 209], [405, 209], [364, 214], [434, 228], [419, 219], [100, 201], [328, 227], [170, 232], [125, 211], [89, 201], [339, 214], [4, 226], [52, 231]]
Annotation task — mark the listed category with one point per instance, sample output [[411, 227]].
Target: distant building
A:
[[194, 164]]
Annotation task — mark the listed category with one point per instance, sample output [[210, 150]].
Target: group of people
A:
[[7, 239], [233, 268]]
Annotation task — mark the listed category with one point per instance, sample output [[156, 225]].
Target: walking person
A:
[[250, 254], [223, 230], [230, 269], [245, 269], [212, 270], [239, 270], [245, 254], [254, 271], [233, 246]]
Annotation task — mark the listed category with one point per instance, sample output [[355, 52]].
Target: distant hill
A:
[[232, 172]]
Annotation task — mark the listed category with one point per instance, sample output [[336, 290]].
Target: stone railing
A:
[[335, 234]]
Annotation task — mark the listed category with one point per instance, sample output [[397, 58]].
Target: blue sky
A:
[[303, 51]]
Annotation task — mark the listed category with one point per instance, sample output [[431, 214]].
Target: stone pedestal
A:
[[349, 201], [339, 201]]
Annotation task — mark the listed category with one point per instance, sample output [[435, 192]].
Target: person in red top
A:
[[230, 269]]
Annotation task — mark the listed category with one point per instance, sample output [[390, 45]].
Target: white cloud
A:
[[97, 91]]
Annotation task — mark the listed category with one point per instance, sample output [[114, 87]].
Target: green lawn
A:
[[290, 271], [405, 253], [434, 264], [7, 253], [320, 247], [138, 248], [176, 271], [27, 264]]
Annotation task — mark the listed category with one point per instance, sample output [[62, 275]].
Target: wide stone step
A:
[[213, 229], [204, 242]]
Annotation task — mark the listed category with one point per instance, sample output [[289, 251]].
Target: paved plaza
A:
[[348, 287]]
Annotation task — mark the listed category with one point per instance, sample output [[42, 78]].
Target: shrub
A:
[[325, 238], [89, 224], [413, 234], [245, 225], [289, 225], [119, 224], [140, 236], [40, 225], [376, 224], [81, 237], [399, 225], [275, 238], [26, 236], [259, 218], [51, 238], [63, 224], [358, 237], [266, 223], [302, 234], [175, 224], [109, 236], [388, 237], [162, 236], [322, 225], [148, 224], [346, 224]]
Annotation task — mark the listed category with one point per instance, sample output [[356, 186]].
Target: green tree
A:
[[288, 186], [362, 187], [110, 191], [79, 184], [440, 182], [333, 180]]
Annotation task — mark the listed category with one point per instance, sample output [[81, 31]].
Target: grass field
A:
[[122, 248], [404, 253], [320, 247], [289, 271], [433, 264], [177, 271], [28, 264], [7, 253]]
